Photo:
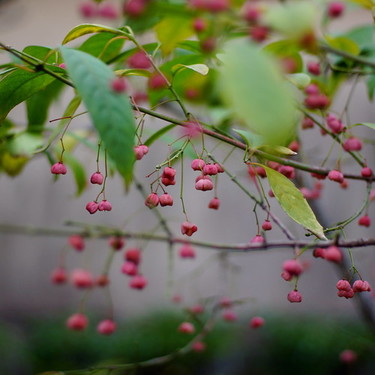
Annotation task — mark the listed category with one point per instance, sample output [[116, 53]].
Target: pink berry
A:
[[166, 200], [336, 175], [82, 278], [157, 82], [129, 268], [252, 13], [225, 302], [97, 178], [134, 8], [256, 322], [133, 255], [58, 168], [169, 172], [139, 60], [286, 276], [333, 254], [257, 239], [102, 280], [312, 89], [267, 225], [119, 84], [345, 293], [293, 266], [313, 67], [92, 207], [364, 221], [366, 172], [352, 144], [220, 169], [319, 176], [198, 346], [152, 200], [59, 276], [140, 151], [204, 183], [214, 203], [210, 169], [335, 124], [335, 9], [307, 123], [229, 315], [187, 251], [198, 164], [208, 45], [287, 171], [77, 322], [294, 296], [104, 205], [319, 252], [186, 327], [88, 9], [361, 286], [318, 101], [108, 11], [62, 66], [106, 327], [188, 228], [166, 181], [199, 25], [197, 309], [116, 242], [259, 33], [216, 6], [138, 282], [348, 356], [343, 285], [77, 242]]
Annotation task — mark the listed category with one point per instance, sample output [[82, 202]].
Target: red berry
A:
[[197, 309], [204, 183], [169, 172], [58, 168], [138, 282], [157, 82], [166, 181], [119, 84], [139, 60], [133, 255], [366, 172], [166, 200], [187, 251], [152, 200], [293, 267], [198, 164], [102, 280], [106, 327], [134, 8], [313, 67], [76, 242], [210, 169], [352, 144], [286, 276], [59, 276], [294, 296], [199, 25], [208, 45], [267, 225], [214, 203], [252, 13], [287, 171], [333, 254], [312, 89], [129, 268], [140, 151], [317, 101], [97, 178], [77, 322], [104, 205], [188, 228], [257, 239], [108, 11], [364, 221], [336, 175], [307, 123], [319, 176], [256, 322], [348, 356], [230, 315], [334, 124], [82, 278], [216, 6], [259, 33], [92, 207], [335, 9], [361, 286], [198, 346], [343, 285], [225, 302], [116, 242], [88, 9], [186, 327], [345, 293]]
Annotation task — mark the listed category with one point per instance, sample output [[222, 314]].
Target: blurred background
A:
[[298, 337]]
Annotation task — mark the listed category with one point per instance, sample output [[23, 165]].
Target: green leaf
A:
[[293, 203], [158, 134], [38, 106], [254, 88], [172, 30], [199, 68], [111, 112], [42, 53], [300, 80], [371, 86], [103, 45], [343, 44], [78, 170], [133, 72], [25, 144], [368, 124], [277, 150], [90, 28], [19, 85]]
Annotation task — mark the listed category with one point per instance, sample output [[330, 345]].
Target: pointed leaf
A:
[[254, 88], [111, 112], [18, 86], [277, 150], [293, 203], [90, 28], [199, 68], [368, 124]]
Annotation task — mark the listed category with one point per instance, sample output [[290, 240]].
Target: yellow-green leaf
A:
[[277, 150], [293, 203], [90, 28], [343, 44], [199, 68]]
